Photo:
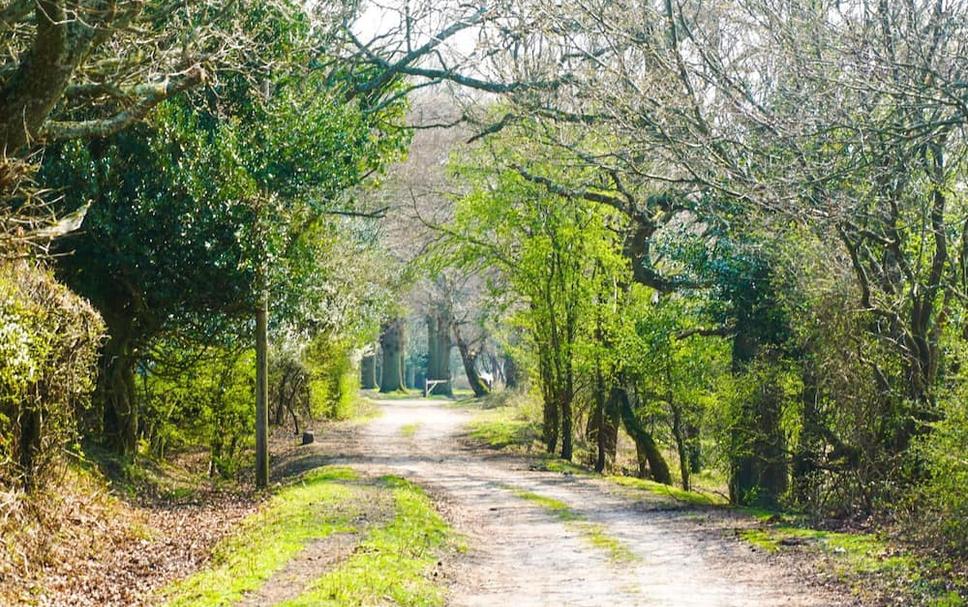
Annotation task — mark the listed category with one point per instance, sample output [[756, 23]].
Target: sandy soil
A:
[[521, 554]]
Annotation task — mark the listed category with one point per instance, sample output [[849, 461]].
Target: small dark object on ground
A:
[[308, 437]]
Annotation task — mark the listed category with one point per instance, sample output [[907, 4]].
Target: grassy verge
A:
[[505, 428], [396, 562], [322, 503], [593, 533], [865, 561], [695, 498]]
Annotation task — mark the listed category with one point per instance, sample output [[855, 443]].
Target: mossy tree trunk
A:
[[116, 392], [649, 456]]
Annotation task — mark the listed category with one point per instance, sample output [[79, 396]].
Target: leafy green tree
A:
[[551, 250], [187, 209]]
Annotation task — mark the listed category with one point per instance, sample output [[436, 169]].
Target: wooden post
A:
[[261, 390], [261, 351]]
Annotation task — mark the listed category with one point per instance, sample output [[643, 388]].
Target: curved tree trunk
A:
[[648, 452], [468, 355]]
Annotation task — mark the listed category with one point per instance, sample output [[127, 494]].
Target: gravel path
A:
[[522, 554]]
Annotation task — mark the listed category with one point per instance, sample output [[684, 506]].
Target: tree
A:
[[174, 241], [393, 346], [66, 76], [547, 247]]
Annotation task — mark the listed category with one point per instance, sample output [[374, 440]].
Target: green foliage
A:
[[201, 396], [48, 350], [940, 504], [333, 379]]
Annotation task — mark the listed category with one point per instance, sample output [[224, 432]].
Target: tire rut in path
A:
[[522, 554]]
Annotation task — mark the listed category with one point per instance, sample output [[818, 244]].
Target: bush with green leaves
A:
[[333, 378], [49, 339], [199, 395], [939, 507]]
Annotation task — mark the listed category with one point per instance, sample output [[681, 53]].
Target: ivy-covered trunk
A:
[[758, 462]]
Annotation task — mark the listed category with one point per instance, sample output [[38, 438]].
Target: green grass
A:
[[375, 395], [394, 565], [860, 553], [680, 495], [409, 430], [858, 557], [320, 504], [503, 428], [593, 533]]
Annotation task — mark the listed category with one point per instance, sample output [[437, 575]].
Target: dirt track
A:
[[523, 555]]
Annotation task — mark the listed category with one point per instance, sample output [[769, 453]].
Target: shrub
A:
[[334, 379], [49, 341], [941, 502]]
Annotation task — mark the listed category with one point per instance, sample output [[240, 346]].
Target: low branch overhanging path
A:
[[521, 551]]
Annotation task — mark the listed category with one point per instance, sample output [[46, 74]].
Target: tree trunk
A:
[[693, 447], [759, 469], [645, 447], [807, 455], [679, 433], [368, 372], [550, 422], [392, 344], [602, 424], [468, 356], [438, 349], [511, 373], [116, 393], [567, 433], [410, 375]]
